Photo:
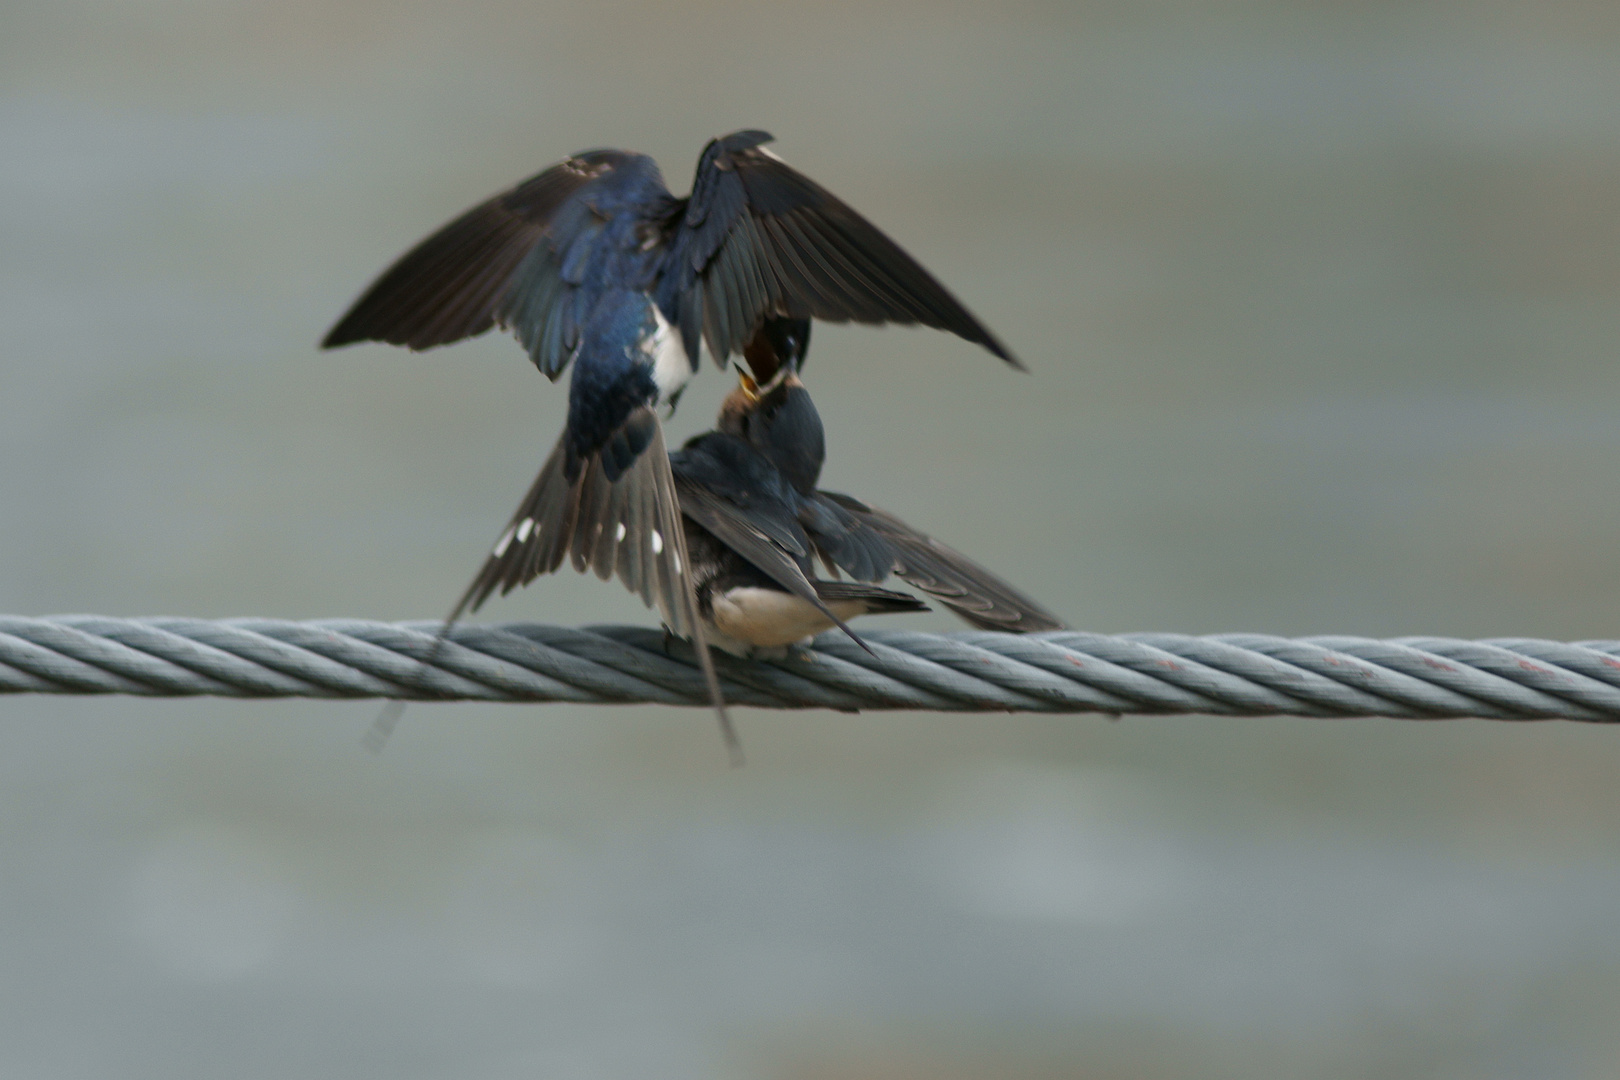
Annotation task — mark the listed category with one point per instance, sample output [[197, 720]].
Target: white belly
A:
[[769, 618], [671, 369]]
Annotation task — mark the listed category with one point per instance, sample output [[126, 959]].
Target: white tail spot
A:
[[524, 528], [618, 534], [657, 541], [676, 561], [503, 543]]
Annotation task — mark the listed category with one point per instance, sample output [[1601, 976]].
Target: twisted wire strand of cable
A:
[[971, 671]]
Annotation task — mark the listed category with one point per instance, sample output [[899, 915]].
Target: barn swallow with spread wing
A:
[[594, 263]]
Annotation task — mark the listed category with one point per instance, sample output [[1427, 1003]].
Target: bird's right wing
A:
[[974, 593]]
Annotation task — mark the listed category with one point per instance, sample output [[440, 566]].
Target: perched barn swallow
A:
[[781, 424], [593, 262], [756, 525], [753, 559]]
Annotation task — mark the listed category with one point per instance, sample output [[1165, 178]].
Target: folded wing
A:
[[730, 491], [974, 593]]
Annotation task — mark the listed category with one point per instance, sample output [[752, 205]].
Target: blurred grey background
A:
[[1320, 302]]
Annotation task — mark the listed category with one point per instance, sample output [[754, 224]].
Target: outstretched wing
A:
[[974, 593], [496, 264], [758, 239]]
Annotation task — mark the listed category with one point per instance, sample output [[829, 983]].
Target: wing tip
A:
[[340, 335], [746, 139], [361, 324], [979, 334], [1001, 351], [357, 332]]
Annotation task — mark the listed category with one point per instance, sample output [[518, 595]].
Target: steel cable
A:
[[970, 671]]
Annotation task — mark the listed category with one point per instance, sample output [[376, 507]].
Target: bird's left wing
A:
[[757, 239]]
